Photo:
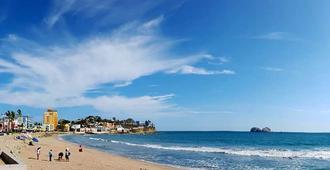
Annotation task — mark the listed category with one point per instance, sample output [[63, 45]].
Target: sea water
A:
[[218, 150]]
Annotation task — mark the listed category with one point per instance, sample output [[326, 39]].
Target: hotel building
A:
[[50, 120]]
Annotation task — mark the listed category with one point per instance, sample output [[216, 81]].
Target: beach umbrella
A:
[[23, 137], [35, 140]]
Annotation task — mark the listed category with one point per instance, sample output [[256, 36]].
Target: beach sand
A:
[[89, 159]]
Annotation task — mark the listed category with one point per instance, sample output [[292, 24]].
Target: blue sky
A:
[[184, 64]]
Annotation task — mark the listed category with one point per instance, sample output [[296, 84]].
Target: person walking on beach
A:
[[67, 154], [38, 152], [50, 154]]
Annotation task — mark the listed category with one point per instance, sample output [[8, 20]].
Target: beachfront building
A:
[[27, 122], [2, 125], [66, 127], [76, 128], [50, 120], [121, 129], [6, 125]]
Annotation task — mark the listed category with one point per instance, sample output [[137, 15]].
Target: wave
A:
[[279, 153]]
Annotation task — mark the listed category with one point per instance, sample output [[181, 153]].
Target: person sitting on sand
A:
[[60, 156], [50, 154], [67, 154], [38, 152], [80, 148]]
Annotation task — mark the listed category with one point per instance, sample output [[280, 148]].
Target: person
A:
[[67, 154], [60, 156], [50, 154], [80, 148], [38, 152]]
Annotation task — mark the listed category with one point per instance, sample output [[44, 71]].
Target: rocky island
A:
[[256, 129]]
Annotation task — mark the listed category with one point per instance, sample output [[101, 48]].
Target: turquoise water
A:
[[219, 150]]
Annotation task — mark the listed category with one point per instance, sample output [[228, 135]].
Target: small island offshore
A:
[[256, 129]]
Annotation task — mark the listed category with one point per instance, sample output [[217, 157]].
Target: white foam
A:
[[316, 154]]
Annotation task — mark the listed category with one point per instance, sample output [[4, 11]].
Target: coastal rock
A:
[[256, 129], [266, 129]]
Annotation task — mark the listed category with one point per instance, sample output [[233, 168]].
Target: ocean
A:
[[218, 150]]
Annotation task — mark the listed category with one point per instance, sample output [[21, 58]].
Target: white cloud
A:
[[105, 12], [61, 76], [187, 69], [219, 60], [275, 69], [124, 84], [59, 8], [277, 36]]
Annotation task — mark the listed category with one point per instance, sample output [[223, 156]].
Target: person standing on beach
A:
[[38, 152], [67, 154], [50, 154]]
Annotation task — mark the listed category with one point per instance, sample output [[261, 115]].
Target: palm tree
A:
[[19, 112], [11, 116], [8, 115]]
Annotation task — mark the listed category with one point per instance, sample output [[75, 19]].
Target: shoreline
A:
[[59, 137], [90, 158]]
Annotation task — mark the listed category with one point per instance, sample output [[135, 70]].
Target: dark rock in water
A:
[[266, 129], [256, 129]]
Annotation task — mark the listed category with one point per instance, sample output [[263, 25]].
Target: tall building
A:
[[50, 119]]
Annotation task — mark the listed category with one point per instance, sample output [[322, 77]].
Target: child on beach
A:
[[38, 152], [50, 154], [67, 154]]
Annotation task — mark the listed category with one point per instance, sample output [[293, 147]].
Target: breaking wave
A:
[[279, 153]]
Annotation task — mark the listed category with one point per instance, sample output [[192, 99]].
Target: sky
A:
[[183, 64]]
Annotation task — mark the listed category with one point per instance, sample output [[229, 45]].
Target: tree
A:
[[8, 115], [98, 119], [147, 123], [19, 112], [11, 117], [62, 123]]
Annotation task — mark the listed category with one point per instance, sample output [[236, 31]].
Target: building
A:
[[50, 120], [66, 127], [76, 127], [6, 125], [27, 122]]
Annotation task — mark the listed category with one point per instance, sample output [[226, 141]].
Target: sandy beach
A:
[[88, 159]]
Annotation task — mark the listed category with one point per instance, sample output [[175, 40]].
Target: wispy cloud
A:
[[58, 10], [187, 69], [275, 69], [124, 84], [61, 76], [276, 36], [219, 60], [106, 12]]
